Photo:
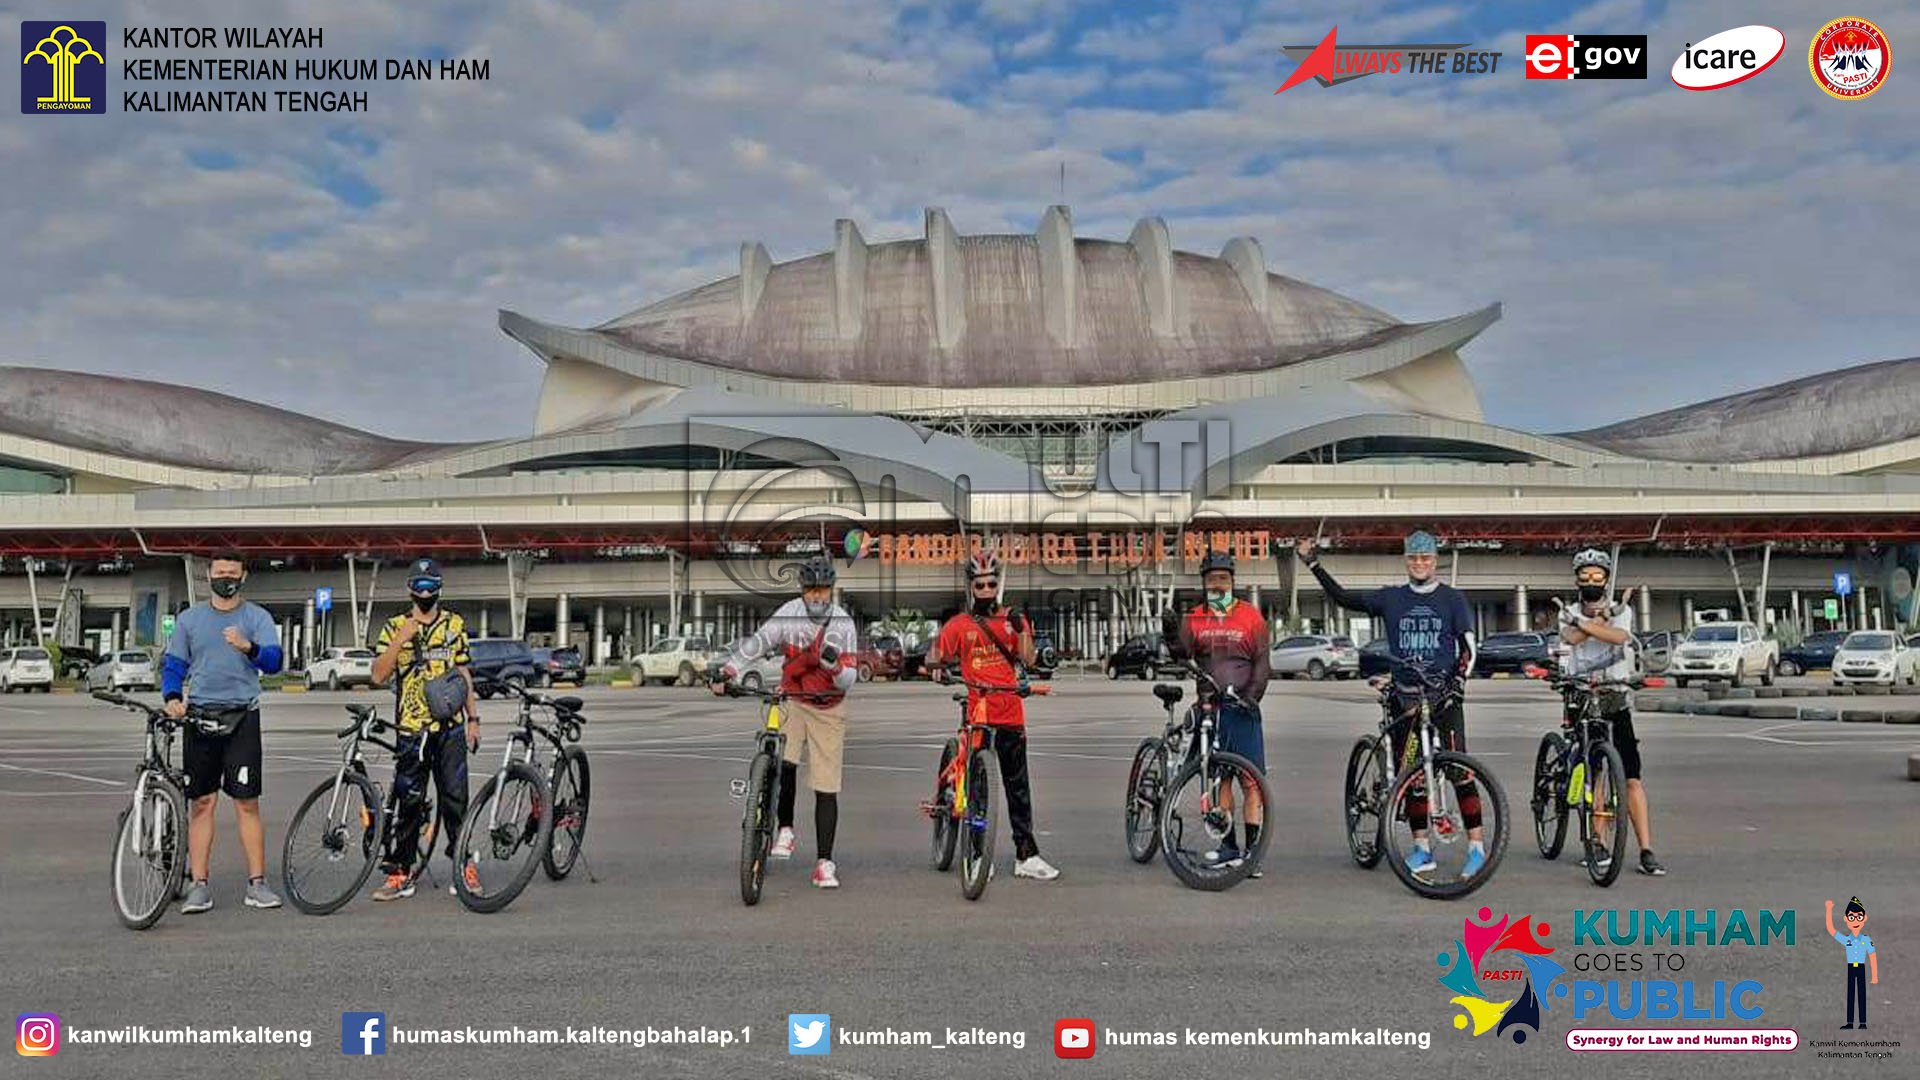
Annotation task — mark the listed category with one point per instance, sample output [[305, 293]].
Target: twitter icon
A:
[[809, 1033]]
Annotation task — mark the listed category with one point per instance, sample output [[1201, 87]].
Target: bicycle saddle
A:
[[361, 712], [1169, 695], [568, 704]]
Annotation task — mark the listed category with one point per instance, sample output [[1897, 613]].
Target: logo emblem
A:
[[1728, 57], [1073, 1038], [809, 1033], [1586, 56], [36, 1034], [363, 1034], [63, 67], [1487, 951], [1849, 58], [1330, 62]]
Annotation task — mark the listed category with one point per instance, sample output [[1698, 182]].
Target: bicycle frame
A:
[[522, 750], [976, 735], [159, 758], [1421, 740]]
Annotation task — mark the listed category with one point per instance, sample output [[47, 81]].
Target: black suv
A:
[[1513, 653], [1138, 656], [501, 660], [563, 664]]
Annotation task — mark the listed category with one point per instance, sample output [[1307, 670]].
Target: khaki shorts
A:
[[823, 732]]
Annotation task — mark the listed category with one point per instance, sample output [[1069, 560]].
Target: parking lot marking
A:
[[66, 775]]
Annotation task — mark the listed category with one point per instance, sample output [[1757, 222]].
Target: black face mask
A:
[[983, 605], [425, 603], [1592, 593], [226, 588]]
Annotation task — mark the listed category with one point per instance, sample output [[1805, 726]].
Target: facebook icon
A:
[[363, 1033]]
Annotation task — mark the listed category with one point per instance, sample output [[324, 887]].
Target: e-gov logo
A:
[[63, 67]]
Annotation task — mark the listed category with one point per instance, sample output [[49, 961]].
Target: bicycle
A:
[[761, 789], [963, 799], [512, 821], [1377, 804], [149, 865], [1156, 812], [1584, 771], [345, 824]]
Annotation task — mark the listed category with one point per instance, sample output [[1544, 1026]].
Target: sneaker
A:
[[398, 887], [1036, 868], [199, 899], [258, 895], [782, 844], [471, 874], [1604, 861], [824, 876], [1421, 861], [1226, 855], [1651, 866], [1476, 859], [1256, 872]]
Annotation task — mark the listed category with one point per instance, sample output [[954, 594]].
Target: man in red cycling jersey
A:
[[1227, 637], [993, 644]]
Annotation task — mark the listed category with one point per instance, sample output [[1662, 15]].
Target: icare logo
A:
[[1586, 56], [63, 67], [36, 1034], [1728, 57]]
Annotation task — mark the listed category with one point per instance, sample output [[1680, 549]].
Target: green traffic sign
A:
[[1833, 608], [166, 624]]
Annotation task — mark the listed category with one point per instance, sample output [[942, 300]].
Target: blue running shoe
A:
[[1475, 860], [1421, 861]]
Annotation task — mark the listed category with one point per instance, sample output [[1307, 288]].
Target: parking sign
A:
[[1842, 582], [323, 599]]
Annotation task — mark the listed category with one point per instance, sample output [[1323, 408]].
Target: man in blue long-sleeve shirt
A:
[[216, 655]]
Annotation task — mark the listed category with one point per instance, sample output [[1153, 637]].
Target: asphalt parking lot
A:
[[1750, 814]]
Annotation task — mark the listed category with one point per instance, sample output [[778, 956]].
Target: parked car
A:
[[1317, 656], [1814, 653], [1725, 650], [1881, 657], [883, 658], [77, 660], [1513, 653], [1046, 658], [764, 672], [1141, 656], [26, 668], [1373, 658], [677, 660], [341, 666], [564, 663], [130, 669], [1654, 651], [498, 662]]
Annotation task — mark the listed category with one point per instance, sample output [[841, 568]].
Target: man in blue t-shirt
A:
[[215, 656], [1428, 623]]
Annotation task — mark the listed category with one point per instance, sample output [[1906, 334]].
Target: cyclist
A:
[[1429, 622], [1601, 633], [422, 644], [817, 639], [1228, 637], [221, 647], [993, 644]]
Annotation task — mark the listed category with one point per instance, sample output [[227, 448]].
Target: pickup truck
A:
[[1728, 651], [681, 661]]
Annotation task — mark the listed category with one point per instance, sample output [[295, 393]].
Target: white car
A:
[[339, 667], [678, 660], [128, 670], [1875, 656], [761, 673], [1315, 656], [26, 668], [1728, 651]]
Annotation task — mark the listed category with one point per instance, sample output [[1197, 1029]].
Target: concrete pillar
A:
[[113, 640], [599, 655], [1860, 608], [486, 620], [699, 612], [306, 632], [1521, 617], [1799, 614], [562, 618], [626, 634]]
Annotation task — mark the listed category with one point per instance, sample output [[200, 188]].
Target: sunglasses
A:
[[424, 585], [986, 586]]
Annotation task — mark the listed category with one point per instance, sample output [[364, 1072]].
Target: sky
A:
[[1652, 246]]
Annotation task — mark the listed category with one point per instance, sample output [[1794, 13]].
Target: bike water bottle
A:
[[1577, 786]]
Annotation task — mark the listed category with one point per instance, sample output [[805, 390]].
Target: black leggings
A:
[[443, 755], [826, 808], [1450, 725]]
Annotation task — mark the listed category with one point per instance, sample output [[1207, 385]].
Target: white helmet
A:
[[1593, 557]]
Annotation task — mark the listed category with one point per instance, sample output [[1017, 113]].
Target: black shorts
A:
[[229, 763], [1620, 721]]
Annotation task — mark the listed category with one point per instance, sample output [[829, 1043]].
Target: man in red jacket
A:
[[1227, 637]]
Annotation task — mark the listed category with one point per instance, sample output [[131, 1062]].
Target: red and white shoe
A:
[[824, 876], [782, 844]]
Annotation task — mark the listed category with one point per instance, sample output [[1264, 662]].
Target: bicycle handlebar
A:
[[154, 714], [735, 690], [1024, 689]]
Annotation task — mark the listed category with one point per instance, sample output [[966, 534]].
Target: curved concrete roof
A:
[[1835, 412], [187, 427], [1042, 310]]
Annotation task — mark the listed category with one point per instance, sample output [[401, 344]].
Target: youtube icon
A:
[[1073, 1038]]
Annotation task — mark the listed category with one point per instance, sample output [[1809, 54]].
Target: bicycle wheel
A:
[[507, 829], [756, 827], [1603, 806], [147, 868], [1366, 794], [1195, 819], [946, 831], [572, 784], [1446, 827], [1145, 782], [977, 826], [332, 844], [1550, 794]]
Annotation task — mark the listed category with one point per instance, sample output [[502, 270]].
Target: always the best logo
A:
[[1330, 62], [63, 67]]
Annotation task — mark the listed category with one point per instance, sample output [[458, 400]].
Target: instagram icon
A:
[[37, 1034]]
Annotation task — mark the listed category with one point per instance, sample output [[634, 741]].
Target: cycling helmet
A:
[[1216, 560], [816, 572], [1593, 557], [1421, 542], [983, 564], [423, 576]]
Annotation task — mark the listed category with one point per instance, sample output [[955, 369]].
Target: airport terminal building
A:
[[1103, 410]]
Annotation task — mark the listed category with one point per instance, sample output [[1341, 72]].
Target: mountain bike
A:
[[962, 807], [509, 828], [346, 824], [1382, 808], [761, 789], [150, 838], [1579, 767], [1194, 813]]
